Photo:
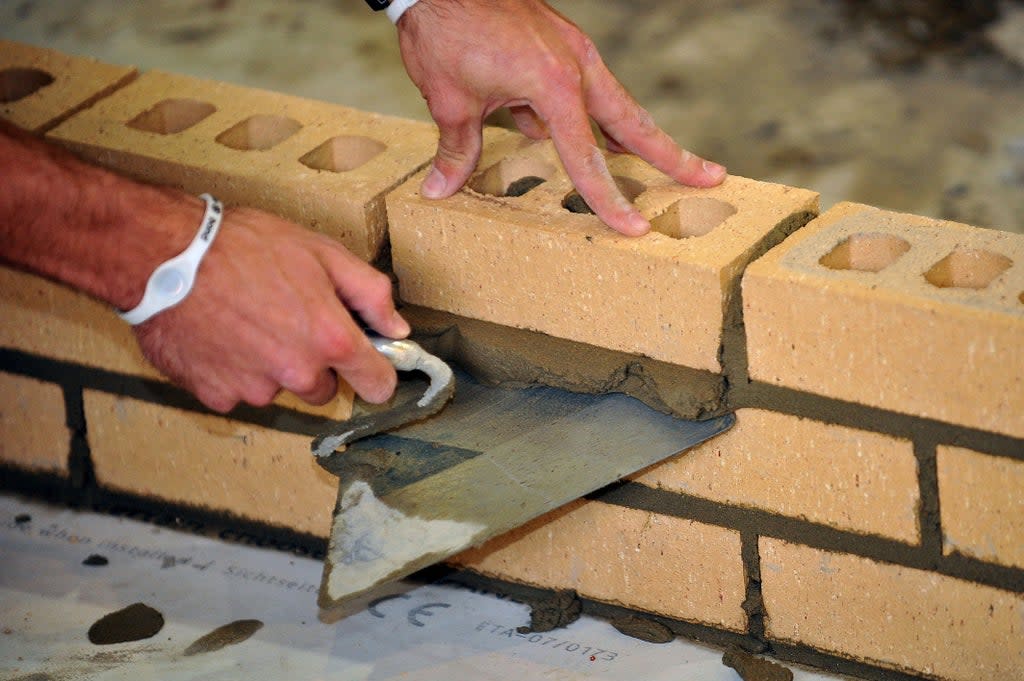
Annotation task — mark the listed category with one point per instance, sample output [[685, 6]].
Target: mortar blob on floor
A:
[[134, 623], [223, 636]]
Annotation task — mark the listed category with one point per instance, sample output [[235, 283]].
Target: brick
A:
[[51, 320], [905, 313], [982, 505], [891, 616], [33, 432], [529, 263], [322, 165], [40, 87], [209, 462], [833, 475], [641, 560], [48, 319]]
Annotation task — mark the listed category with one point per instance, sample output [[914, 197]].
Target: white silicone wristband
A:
[[173, 280], [397, 8]]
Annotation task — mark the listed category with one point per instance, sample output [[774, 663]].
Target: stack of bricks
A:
[[865, 514]]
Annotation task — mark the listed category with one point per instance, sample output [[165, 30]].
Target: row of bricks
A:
[[893, 311], [899, 312], [839, 477], [839, 603]]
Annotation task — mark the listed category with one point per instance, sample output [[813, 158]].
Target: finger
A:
[[632, 128], [346, 349], [460, 129], [365, 291], [528, 122], [259, 392], [315, 388], [214, 394], [585, 164], [612, 144]]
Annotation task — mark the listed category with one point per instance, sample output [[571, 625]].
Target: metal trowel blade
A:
[[492, 460]]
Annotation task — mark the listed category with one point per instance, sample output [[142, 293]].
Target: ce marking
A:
[[413, 615]]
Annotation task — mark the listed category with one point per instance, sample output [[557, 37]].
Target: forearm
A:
[[85, 226]]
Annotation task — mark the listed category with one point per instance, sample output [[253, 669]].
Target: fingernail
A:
[[402, 327], [638, 224], [713, 169], [435, 184]]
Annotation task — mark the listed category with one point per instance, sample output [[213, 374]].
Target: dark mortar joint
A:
[[753, 601], [733, 352]]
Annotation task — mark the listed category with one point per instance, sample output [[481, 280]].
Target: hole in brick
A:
[[694, 216], [630, 188], [967, 268], [171, 116], [259, 133], [518, 174], [871, 252], [342, 154], [18, 83]]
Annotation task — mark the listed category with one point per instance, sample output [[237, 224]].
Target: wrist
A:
[[173, 279], [155, 225]]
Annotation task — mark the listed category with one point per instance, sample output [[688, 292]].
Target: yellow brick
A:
[[44, 318], [48, 319], [981, 498], [891, 616], [40, 87], [833, 475], [674, 567], [324, 166], [934, 332], [209, 462], [33, 434], [529, 263]]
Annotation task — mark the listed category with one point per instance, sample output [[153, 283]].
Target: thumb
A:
[[458, 150]]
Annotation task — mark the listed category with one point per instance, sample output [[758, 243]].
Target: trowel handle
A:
[[404, 355], [407, 355]]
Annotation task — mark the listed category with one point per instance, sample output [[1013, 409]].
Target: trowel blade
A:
[[494, 459]]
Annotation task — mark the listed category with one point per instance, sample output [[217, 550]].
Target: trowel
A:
[[440, 470]]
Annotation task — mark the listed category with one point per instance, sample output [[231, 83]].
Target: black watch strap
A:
[[378, 5]]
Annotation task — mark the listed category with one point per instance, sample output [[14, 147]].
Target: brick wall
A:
[[865, 513]]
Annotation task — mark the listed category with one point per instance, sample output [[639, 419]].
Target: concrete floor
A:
[[784, 91]]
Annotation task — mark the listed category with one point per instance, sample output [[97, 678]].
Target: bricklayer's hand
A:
[[470, 58], [270, 310]]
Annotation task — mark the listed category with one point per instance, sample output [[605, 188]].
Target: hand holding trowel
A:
[[494, 459]]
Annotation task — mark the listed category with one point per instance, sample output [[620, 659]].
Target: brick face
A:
[[892, 616], [894, 311], [981, 498], [48, 319], [324, 166], [41, 87], [209, 462], [33, 434], [679, 568], [833, 475], [529, 263]]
